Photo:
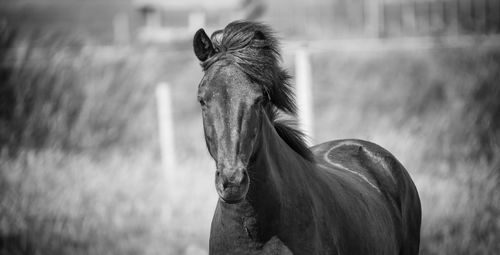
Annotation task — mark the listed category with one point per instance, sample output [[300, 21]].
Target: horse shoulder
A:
[[379, 167], [371, 162]]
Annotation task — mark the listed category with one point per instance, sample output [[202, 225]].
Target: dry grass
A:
[[59, 203], [80, 171], [424, 107]]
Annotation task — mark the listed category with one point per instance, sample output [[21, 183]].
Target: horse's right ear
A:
[[202, 45]]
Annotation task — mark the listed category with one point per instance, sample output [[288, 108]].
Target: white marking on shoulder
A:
[[325, 156], [342, 144], [379, 160]]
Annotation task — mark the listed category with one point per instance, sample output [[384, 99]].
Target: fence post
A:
[[374, 21], [409, 17], [167, 149], [303, 91], [166, 130]]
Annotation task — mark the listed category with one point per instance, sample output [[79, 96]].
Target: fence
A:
[[381, 18], [433, 17]]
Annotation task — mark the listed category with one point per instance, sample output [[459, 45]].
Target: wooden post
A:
[[459, 16], [303, 91], [167, 150], [428, 11], [487, 16], [437, 16], [452, 15], [480, 16], [374, 20], [166, 131], [409, 17]]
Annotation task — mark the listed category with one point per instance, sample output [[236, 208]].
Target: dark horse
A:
[[276, 195]]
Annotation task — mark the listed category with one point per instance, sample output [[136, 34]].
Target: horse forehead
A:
[[230, 79]]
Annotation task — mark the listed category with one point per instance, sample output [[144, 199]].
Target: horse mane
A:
[[253, 47]]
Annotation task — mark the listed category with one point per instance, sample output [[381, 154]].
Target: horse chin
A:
[[232, 201], [232, 198], [233, 194]]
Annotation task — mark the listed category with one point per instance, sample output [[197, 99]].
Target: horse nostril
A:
[[232, 180], [239, 178], [225, 182]]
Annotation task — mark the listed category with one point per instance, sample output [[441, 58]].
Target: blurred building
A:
[[167, 20], [108, 21], [170, 20], [325, 19]]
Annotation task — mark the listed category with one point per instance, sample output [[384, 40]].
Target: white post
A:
[[167, 143], [166, 130], [303, 91]]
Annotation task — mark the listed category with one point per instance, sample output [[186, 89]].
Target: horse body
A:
[[276, 196], [352, 206]]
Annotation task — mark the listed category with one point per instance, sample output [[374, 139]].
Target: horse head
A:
[[231, 106]]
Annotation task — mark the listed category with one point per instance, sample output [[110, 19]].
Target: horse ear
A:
[[202, 45]]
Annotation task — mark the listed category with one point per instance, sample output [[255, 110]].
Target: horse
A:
[[277, 195]]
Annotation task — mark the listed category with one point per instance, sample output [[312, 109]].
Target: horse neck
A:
[[280, 175], [278, 186]]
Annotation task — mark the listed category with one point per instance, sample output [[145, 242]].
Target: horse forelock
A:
[[253, 47]]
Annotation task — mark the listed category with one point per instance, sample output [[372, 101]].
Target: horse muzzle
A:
[[232, 185]]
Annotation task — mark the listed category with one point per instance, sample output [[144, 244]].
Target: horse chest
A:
[[235, 231]]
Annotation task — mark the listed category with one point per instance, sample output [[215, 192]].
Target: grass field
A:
[[80, 169]]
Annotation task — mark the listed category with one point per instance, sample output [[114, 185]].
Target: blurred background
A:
[[101, 141]]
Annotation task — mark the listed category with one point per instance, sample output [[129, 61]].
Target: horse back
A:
[[381, 172]]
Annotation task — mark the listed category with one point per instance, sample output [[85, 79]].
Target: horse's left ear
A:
[[202, 45]]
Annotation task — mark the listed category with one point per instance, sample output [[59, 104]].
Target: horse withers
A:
[[276, 195]]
